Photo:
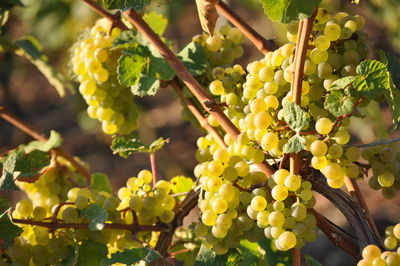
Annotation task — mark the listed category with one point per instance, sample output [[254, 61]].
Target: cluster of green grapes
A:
[[95, 64], [239, 203], [223, 47], [336, 47], [392, 239], [372, 255], [384, 161], [51, 199]]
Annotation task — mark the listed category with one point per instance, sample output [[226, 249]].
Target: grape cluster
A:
[[337, 47], [223, 47], [239, 203], [53, 199], [372, 255], [392, 239], [384, 161], [95, 64]]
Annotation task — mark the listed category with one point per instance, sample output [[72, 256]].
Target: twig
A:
[[36, 135], [153, 167], [259, 41], [57, 225], [203, 121], [114, 19], [355, 193], [337, 235], [296, 255]]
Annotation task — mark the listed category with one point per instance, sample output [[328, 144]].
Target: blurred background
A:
[[27, 94]]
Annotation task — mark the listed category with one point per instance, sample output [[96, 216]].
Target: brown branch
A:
[[114, 19], [259, 41], [296, 255], [203, 121], [56, 225], [355, 193], [337, 235], [36, 135]]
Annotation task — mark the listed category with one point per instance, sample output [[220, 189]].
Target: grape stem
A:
[[115, 19], [60, 151], [57, 225], [203, 121], [262, 44], [153, 167]]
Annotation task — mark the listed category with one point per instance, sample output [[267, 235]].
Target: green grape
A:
[[39, 213], [242, 168], [319, 162], [317, 56], [69, 215], [390, 242], [293, 182], [276, 219], [335, 151], [167, 216], [396, 231], [258, 203], [279, 192], [24, 207], [332, 31], [200, 230], [318, 148], [323, 126], [322, 43], [219, 205], [386, 179], [286, 241]]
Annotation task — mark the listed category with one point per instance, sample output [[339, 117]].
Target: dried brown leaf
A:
[[207, 14]]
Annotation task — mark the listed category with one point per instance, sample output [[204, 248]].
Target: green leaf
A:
[[181, 184], [8, 4], [194, 58], [100, 182], [4, 206], [125, 146], [91, 253], [138, 5], [342, 83], [157, 22], [393, 65], [373, 79], [131, 64], [7, 178], [250, 252], [310, 261], [125, 40], [274, 256], [295, 117], [54, 141], [393, 98], [30, 48], [295, 144], [96, 216], [338, 104], [289, 10], [8, 231], [131, 256], [207, 257]]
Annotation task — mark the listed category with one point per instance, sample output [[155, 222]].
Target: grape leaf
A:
[[310, 261], [30, 48], [157, 22], [295, 144], [289, 10], [54, 141], [100, 182], [4, 206], [393, 65], [373, 79], [338, 104], [8, 231], [342, 83], [194, 58], [123, 5], [8, 4], [250, 252], [131, 64], [96, 216], [7, 177], [208, 15], [126, 146], [181, 184], [295, 117], [393, 98], [273, 256], [91, 253], [132, 256], [126, 39], [207, 257]]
